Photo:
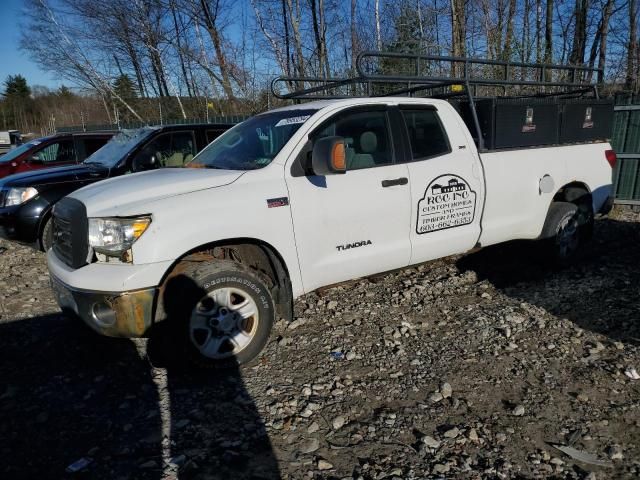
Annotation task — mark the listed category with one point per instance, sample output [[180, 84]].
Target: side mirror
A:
[[329, 156], [35, 159]]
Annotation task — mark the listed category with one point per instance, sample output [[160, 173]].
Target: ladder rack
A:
[[442, 77]]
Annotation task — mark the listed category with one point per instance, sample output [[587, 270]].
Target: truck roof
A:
[[320, 104]]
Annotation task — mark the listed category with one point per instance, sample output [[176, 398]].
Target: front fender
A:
[[240, 211]]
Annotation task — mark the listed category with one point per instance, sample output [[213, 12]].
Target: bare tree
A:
[[631, 80], [458, 33], [548, 33], [579, 43], [355, 47], [75, 62], [376, 11], [320, 32]]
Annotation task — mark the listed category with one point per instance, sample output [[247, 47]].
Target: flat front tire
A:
[[221, 311]]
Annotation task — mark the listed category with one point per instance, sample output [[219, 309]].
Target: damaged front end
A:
[[123, 314]]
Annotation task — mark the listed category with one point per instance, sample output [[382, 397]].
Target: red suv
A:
[[54, 151]]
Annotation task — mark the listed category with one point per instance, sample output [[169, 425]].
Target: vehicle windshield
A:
[[115, 149], [253, 143], [16, 152]]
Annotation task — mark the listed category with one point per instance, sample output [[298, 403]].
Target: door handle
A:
[[397, 181]]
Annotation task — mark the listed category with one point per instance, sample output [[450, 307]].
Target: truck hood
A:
[[128, 194]]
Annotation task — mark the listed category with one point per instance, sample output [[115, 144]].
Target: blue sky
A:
[[12, 60]]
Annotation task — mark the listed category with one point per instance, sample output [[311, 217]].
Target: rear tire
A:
[[221, 312], [46, 238], [562, 233], [582, 199]]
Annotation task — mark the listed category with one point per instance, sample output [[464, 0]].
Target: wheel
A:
[[561, 232], [582, 199], [221, 312], [46, 238]]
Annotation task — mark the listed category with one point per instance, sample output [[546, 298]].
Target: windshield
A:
[[116, 148], [254, 143], [16, 152]]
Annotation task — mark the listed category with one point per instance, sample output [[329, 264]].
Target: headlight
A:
[[114, 236], [17, 196]]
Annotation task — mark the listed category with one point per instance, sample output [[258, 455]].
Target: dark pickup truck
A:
[[26, 199], [52, 151]]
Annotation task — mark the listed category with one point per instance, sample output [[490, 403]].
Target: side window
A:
[[367, 139], [427, 137], [91, 145], [213, 134], [153, 154], [62, 151], [183, 148]]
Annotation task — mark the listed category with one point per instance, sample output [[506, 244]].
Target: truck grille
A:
[[2, 195], [70, 232]]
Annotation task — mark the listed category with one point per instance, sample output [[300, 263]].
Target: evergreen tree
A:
[[65, 92], [16, 88], [125, 88]]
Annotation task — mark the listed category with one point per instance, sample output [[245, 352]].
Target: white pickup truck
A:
[[303, 197]]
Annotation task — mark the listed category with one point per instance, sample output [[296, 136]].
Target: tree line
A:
[[193, 57]]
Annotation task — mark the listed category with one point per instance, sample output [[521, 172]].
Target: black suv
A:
[[26, 199]]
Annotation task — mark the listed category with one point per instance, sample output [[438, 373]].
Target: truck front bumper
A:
[[121, 314], [114, 299]]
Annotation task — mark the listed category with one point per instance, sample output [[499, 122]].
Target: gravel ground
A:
[[475, 366]]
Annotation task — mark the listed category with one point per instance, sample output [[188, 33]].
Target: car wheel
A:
[[561, 233], [46, 237], [221, 311]]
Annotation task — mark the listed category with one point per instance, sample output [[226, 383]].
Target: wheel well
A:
[[258, 255], [575, 192]]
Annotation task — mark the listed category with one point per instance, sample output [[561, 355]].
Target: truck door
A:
[[354, 224], [447, 189]]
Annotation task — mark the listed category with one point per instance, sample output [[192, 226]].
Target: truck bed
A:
[[513, 209]]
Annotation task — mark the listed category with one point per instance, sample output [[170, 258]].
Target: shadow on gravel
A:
[[67, 393], [214, 420], [599, 293]]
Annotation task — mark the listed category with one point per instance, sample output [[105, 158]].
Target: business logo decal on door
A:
[[448, 202]]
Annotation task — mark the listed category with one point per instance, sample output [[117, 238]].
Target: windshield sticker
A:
[[292, 120], [448, 202]]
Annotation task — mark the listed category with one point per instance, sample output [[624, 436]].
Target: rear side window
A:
[[166, 150], [183, 149], [426, 134], [213, 134], [58, 152], [91, 145]]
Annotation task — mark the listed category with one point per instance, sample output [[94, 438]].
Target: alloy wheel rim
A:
[[223, 323]]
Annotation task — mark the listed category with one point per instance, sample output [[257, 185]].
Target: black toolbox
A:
[[514, 122], [586, 119]]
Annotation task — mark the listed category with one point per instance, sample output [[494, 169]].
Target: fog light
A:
[[103, 314]]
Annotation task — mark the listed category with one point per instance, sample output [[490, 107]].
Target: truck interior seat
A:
[[182, 151], [349, 149], [368, 144]]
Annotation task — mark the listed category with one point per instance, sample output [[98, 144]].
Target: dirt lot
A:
[[469, 367]]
